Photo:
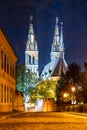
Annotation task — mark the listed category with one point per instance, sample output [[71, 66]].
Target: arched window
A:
[[33, 60], [29, 59]]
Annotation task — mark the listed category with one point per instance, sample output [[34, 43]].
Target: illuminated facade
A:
[[53, 69], [8, 61], [57, 64], [31, 52]]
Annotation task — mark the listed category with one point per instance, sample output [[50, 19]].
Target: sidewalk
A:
[[80, 114], [7, 114], [4, 115]]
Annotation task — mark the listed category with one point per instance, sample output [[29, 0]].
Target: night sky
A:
[[14, 19]]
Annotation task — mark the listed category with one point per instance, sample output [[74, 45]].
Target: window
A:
[[5, 93], [29, 59], [10, 68], [7, 66], [2, 60], [5, 63], [10, 95], [1, 93], [33, 61], [13, 71]]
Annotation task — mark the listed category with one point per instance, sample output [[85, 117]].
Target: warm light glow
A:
[[65, 95], [73, 89], [73, 101]]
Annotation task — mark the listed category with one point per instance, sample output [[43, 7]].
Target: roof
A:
[[3, 33], [53, 68]]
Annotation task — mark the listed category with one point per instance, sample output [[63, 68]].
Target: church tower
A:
[[62, 50], [31, 52], [57, 50], [57, 65], [55, 44], [61, 43]]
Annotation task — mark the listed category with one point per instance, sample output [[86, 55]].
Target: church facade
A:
[[57, 62], [53, 69], [31, 52]]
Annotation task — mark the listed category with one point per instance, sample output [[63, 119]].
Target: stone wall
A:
[[49, 105], [19, 104]]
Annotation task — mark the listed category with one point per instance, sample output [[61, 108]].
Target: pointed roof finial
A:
[[61, 25], [61, 38], [57, 20], [62, 30], [31, 18]]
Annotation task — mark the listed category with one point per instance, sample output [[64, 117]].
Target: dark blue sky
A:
[[14, 19]]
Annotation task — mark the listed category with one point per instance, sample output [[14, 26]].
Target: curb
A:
[[79, 114], [9, 115]]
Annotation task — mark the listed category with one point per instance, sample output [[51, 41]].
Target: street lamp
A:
[[73, 90], [65, 95]]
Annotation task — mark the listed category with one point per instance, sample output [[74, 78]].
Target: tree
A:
[[73, 74], [60, 87], [67, 80], [20, 77], [85, 66], [27, 82], [83, 79], [47, 89]]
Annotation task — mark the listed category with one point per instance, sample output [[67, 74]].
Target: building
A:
[[31, 52], [57, 65], [54, 68], [8, 61]]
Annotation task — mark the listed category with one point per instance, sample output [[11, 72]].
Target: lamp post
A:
[[73, 90]]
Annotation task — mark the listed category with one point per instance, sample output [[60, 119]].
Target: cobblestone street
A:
[[44, 121]]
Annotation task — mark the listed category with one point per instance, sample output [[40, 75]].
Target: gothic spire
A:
[[55, 45], [56, 27], [61, 46], [31, 52], [31, 41], [31, 30]]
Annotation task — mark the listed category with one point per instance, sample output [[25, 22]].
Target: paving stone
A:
[[44, 121]]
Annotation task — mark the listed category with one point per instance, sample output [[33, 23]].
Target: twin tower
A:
[[57, 63]]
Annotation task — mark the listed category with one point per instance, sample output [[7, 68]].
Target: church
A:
[[57, 63], [53, 69]]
